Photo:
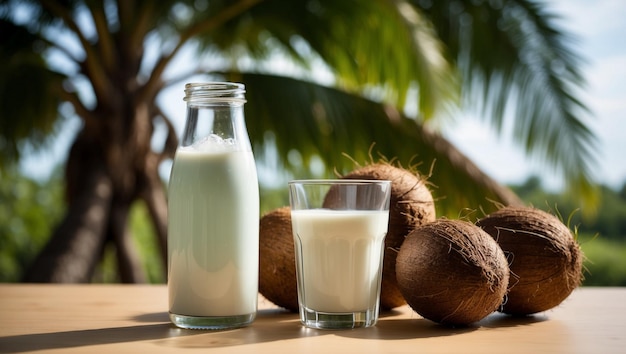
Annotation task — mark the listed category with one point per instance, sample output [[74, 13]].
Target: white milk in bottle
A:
[[213, 230]]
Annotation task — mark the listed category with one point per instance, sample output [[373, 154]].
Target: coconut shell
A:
[[277, 264], [452, 272], [411, 205], [545, 259]]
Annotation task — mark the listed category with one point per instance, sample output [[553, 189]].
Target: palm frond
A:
[[29, 92], [385, 45], [514, 58], [340, 128]]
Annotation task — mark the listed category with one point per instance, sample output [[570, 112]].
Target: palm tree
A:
[[106, 62]]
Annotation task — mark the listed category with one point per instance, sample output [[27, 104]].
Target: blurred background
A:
[[484, 97]]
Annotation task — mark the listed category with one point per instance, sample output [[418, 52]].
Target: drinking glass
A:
[[339, 228]]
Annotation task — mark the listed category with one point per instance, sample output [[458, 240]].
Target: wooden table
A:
[[133, 319]]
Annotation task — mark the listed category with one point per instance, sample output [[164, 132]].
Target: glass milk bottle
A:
[[213, 201]]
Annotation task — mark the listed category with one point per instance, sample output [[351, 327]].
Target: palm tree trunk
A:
[[76, 245], [155, 198], [128, 260]]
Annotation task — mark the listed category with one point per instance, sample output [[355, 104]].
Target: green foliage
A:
[[146, 243], [608, 220], [29, 210], [25, 79], [273, 198], [144, 238], [605, 261], [106, 270]]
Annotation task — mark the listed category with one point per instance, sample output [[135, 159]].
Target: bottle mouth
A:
[[215, 92]]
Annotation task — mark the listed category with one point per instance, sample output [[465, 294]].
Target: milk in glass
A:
[[341, 253]]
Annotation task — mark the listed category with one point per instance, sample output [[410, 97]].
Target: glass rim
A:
[[319, 181]]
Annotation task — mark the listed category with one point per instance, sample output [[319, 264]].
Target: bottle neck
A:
[[215, 117]]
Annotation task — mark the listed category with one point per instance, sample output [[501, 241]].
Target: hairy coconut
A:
[[411, 205], [277, 264], [452, 272], [544, 258]]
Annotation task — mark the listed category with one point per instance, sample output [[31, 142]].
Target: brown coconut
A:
[[452, 272], [277, 264], [545, 259], [411, 205]]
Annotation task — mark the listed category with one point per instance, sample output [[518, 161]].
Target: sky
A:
[[601, 31]]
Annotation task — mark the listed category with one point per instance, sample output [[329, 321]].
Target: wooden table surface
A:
[[133, 319]]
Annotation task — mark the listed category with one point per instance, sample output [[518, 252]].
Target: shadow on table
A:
[[500, 320], [80, 338], [390, 328], [277, 325], [270, 325]]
